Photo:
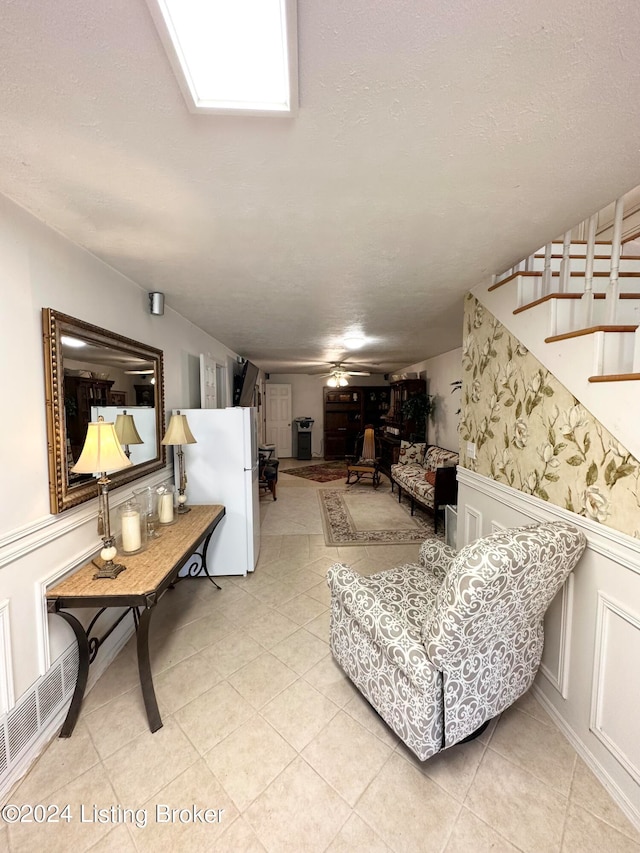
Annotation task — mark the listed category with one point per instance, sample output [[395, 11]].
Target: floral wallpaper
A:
[[533, 435]]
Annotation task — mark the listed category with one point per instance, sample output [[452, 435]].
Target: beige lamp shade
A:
[[101, 451], [178, 431], [126, 430]]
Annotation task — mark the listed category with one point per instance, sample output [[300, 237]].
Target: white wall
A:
[[307, 399], [39, 268], [440, 371]]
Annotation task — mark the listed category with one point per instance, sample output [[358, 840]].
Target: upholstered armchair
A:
[[442, 647]]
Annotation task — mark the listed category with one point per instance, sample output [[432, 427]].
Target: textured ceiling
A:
[[436, 143]]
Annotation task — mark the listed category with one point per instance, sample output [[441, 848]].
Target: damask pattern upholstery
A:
[[440, 647], [410, 470], [411, 452]]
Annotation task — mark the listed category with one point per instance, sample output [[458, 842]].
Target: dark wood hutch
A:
[[80, 394], [396, 427], [347, 411]]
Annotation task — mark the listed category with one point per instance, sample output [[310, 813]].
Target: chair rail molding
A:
[[23, 541], [614, 544]]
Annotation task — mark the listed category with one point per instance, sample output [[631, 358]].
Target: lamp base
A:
[[109, 570], [182, 508]]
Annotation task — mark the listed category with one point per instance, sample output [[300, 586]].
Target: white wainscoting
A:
[[556, 660], [617, 678], [472, 524], [588, 681]]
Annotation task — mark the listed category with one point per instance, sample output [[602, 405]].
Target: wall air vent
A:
[[50, 694], [22, 725], [33, 717]]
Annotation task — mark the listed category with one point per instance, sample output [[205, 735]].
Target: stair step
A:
[[535, 274], [582, 257], [577, 247], [571, 296], [601, 263], [590, 362], [566, 311], [565, 336], [615, 377]]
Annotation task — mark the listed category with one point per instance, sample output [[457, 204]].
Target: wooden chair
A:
[[365, 462]]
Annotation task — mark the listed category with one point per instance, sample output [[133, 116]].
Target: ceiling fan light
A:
[[342, 381], [332, 382]]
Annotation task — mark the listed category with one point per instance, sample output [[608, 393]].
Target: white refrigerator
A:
[[222, 468]]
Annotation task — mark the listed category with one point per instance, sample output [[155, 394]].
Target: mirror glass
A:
[[91, 372]]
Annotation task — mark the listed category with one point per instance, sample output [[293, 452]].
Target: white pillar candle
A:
[[131, 532], [165, 508]]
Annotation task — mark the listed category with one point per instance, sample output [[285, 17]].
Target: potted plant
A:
[[417, 409]]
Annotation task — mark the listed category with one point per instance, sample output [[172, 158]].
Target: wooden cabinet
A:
[[396, 427], [80, 394], [347, 411]]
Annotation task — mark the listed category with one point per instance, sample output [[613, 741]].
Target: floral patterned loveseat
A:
[[441, 647], [427, 473]]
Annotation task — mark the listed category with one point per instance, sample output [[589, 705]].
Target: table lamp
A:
[[101, 453], [127, 432], [177, 434]]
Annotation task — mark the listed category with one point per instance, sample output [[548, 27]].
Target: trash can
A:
[[302, 437]]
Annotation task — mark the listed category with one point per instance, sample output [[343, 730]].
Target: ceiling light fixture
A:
[[354, 340], [232, 57], [337, 380]]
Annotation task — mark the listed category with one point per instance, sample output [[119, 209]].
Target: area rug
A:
[[368, 517], [322, 473]]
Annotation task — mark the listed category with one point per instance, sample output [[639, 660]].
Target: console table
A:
[[139, 588]]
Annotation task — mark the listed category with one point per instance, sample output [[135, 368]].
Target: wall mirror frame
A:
[[106, 348]]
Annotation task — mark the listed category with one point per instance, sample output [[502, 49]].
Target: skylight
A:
[[232, 56]]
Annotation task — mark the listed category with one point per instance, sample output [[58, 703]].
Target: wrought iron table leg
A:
[[204, 560], [144, 669], [83, 673]]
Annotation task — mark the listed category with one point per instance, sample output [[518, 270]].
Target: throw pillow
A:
[[430, 477], [411, 452]]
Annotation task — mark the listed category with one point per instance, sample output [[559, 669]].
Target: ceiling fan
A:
[[348, 369], [339, 371]]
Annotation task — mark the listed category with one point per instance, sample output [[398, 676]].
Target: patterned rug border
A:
[[339, 528]]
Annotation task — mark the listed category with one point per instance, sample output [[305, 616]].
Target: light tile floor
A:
[[262, 726]]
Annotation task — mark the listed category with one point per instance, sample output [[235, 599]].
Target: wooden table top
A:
[[146, 570]]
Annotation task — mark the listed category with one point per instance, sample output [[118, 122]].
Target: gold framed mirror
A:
[[90, 372]]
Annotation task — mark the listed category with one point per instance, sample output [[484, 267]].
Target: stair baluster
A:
[[546, 275], [565, 263], [613, 291], [587, 299]]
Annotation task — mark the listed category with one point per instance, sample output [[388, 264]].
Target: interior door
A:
[[208, 382], [278, 407]]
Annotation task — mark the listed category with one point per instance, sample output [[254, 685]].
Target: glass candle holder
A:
[[166, 504], [148, 500], [131, 527]]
